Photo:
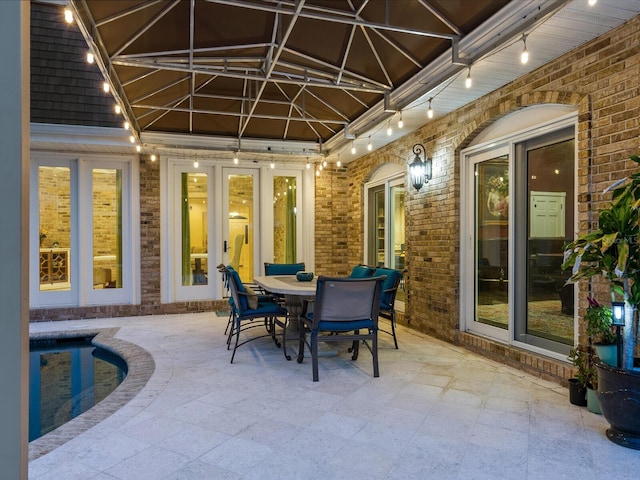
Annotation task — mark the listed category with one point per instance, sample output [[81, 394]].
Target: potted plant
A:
[[613, 253], [585, 376], [602, 337]]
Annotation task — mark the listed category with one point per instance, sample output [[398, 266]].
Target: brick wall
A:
[[599, 78]]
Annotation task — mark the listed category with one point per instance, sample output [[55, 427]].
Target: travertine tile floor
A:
[[437, 411]]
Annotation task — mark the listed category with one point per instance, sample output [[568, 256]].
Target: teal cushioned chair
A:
[[388, 297], [362, 271], [342, 309], [245, 314], [283, 268]]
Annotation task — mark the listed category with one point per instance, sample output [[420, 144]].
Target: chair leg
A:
[[284, 338], [302, 335], [393, 328], [374, 353], [314, 355], [237, 331]]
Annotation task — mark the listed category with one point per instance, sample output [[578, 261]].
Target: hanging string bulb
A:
[[196, 164], [430, 110], [338, 163], [273, 165], [235, 158], [308, 164], [126, 125], [90, 58], [353, 147], [524, 56], [369, 146], [153, 157], [138, 148], [324, 163], [68, 15], [117, 109], [105, 87], [400, 122], [389, 129], [592, 2], [468, 81]]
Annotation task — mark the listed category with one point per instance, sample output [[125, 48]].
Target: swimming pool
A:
[[67, 377]]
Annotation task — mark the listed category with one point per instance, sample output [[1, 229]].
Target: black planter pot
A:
[[577, 393], [619, 395]]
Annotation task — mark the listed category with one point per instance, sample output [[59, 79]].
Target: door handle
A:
[[225, 246]]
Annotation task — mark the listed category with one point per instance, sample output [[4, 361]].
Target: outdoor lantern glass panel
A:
[[419, 170], [617, 313]]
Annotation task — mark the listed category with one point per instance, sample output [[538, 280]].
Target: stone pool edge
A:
[[140, 367]]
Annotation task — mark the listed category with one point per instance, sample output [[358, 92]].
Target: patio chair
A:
[[362, 271], [388, 298], [248, 307], [283, 268], [341, 309]]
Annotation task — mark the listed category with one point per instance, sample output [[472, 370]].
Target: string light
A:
[[430, 110], [273, 165], [153, 157], [317, 173], [235, 158], [389, 129], [369, 146], [524, 56], [308, 164], [138, 148], [196, 164], [338, 163], [68, 15], [126, 125], [353, 148], [320, 168], [132, 139], [400, 122], [468, 81], [90, 58], [324, 163], [117, 109], [592, 2]]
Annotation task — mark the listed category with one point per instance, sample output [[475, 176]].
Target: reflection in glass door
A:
[[239, 237], [491, 207]]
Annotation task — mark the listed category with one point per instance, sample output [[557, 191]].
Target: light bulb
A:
[[138, 148], [105, 87], [338, 163], [389, 129], [400, 122], [273, 165], [196, 164], [353, 148], [126, 125], [592, 2], [369, 146], [235, 158], [308, 166], [468, 82], [68, 15], [320, 167], [430, 110], [132, 139], [153, 157], [324, 163], [317, 173], [90, 58], [117, 109], [524, 56]]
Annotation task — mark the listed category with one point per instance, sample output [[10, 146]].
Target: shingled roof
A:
[[65, 89]]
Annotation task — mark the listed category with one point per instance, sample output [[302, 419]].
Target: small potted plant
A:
[[602, 337], [585, 377]]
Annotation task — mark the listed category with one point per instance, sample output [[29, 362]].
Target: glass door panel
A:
[[550, 187], [284, 220], [54, 204], [194, 228], [491, 206], [397, 234], [377, 226], [107, 228], [239, 238]]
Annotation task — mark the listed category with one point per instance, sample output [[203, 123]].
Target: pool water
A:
[[67, 377]]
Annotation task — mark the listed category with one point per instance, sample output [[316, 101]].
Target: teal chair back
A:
[[362, 271], [283, 268]]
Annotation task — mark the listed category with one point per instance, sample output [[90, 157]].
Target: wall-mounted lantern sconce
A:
[[419, 170]]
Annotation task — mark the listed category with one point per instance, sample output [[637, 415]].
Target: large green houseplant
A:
[[613, 252]]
